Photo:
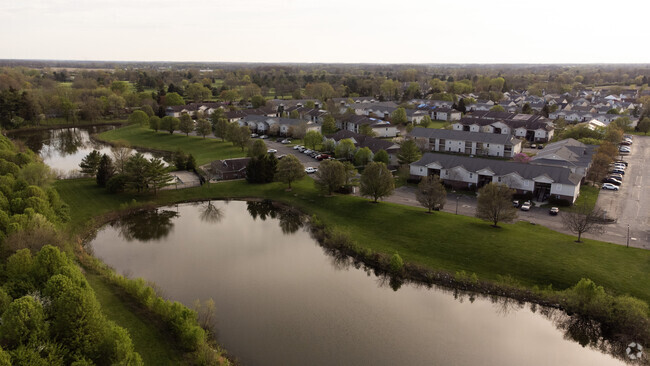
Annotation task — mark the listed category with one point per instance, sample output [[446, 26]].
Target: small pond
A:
[[281, 299]]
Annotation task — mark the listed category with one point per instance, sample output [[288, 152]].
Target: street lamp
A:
[[628, 235], [458, 199]]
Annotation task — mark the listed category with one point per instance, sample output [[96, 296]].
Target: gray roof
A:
[[364, 141], [500, 167], [568, 152], [490, 138]]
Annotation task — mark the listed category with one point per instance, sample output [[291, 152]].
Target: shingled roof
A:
[[490, 138]]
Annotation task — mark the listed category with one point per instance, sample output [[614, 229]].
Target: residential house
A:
[[228, 169], [531, 128], [568, 153], [262, 124], [380, 127], [465, 142], [541, 181]]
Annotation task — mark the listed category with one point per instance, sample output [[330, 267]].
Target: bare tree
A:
[[584, 219], [495, 204], [431, 193], [121, 153]]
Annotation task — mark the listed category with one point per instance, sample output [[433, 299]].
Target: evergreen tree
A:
[[90, 163], [105, 171]]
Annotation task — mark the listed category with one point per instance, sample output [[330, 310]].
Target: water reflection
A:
[[146, 225], [280, 301]]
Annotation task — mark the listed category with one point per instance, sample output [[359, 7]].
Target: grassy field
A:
[[531, 254], [204, 150], [147, 339], [588, 196], [438, 124]]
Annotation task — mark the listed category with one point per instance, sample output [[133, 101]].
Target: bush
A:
[[559, 202], [396, 264], [117, 183]]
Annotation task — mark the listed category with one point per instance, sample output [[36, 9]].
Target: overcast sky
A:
[[377, 31]]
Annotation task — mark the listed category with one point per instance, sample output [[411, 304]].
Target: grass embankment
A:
[[532, 255], [438, 124], [204, 150], [148, 340]]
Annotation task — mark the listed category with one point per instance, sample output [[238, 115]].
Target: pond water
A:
[[281, 299], [62, 149]]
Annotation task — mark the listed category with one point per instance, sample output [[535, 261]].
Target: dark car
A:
[[540, 146], [616, 176], [613, 181], [322, 157], [279, 139], [621, 162], [617, 171]]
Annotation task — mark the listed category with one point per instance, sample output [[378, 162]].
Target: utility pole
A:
[[458, 199], [628, 235]]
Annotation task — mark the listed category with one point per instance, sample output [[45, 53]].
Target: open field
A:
[[531, 254], [204, 150]]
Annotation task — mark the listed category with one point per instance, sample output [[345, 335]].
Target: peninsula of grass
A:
[[204, 150], [530, 254]]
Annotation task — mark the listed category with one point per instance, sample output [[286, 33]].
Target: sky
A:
[[328, 31]]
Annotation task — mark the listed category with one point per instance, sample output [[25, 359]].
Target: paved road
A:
[[285, 150], [631, 204]]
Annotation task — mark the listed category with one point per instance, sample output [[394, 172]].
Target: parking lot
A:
[[631, 204], [287, 149]]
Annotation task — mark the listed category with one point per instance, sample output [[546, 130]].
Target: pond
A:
[[281, 299], [62, 149]]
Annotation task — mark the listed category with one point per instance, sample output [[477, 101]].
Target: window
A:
[[526, 183], [420, 169], [470, 175], [499, 179]]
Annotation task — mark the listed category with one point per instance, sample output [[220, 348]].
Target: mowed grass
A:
[[588, 196], [148, 341], [204, 150], [531, 254]]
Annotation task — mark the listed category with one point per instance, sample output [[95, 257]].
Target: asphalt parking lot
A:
[[631, 204], [287, 149]]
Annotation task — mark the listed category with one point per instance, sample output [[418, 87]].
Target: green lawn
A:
[[588, 196], [204, 150], [148, 340], [532, 254], [438, 124]]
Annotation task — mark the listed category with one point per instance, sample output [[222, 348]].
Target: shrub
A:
[[396, 264]]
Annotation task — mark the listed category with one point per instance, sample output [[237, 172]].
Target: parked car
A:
[[310, 170], [297, 147], [264, 137], [526, 206], [322, 157], [280, 156], [617, 171], [286, 141], [515, 204], [553, 211], [279, 139], [302, 149], [254, 135], [540, 146], [616, 176], [625, 149], [613, 181], [314, 154], [621, 162], [306, 151], [271, 151], [625, 143], [610, 187], [618, 166], [533, 146]]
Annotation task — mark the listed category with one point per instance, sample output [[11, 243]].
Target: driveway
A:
[[631, 204]]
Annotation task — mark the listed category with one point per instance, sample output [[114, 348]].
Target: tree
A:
[[169, 123], [261, 169], [497, 108], [526, 109], [425, 121], [431, 193], [138, 118], [345, 149], [377, 181], [408, 152], [330, 176], [105, 171], [135, 171], [90, 163], [399, 116], [461, 106], [198, 92], [180, 159], [613, 134], [186, 124], [298, 131], [239, 135], [328, 145], [156, 175], [172, 99], [121, 153], [599, 167], [257, 149], [219, 125], [23, 323], [363, 156], [294, 115], [154, 123], [203, 127], [381, 157], [584, 219], [329, 125], [367, 130], [495, 204], [191, 163], [312, 139], [258, 101], [644, 125], [289, 169]]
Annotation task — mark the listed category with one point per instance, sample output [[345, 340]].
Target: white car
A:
[[271, 151], [610, 187], [624, 149], [286, 141], [525, 206], [297, 147], [264, 137], [307, 151], [310, 170]]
